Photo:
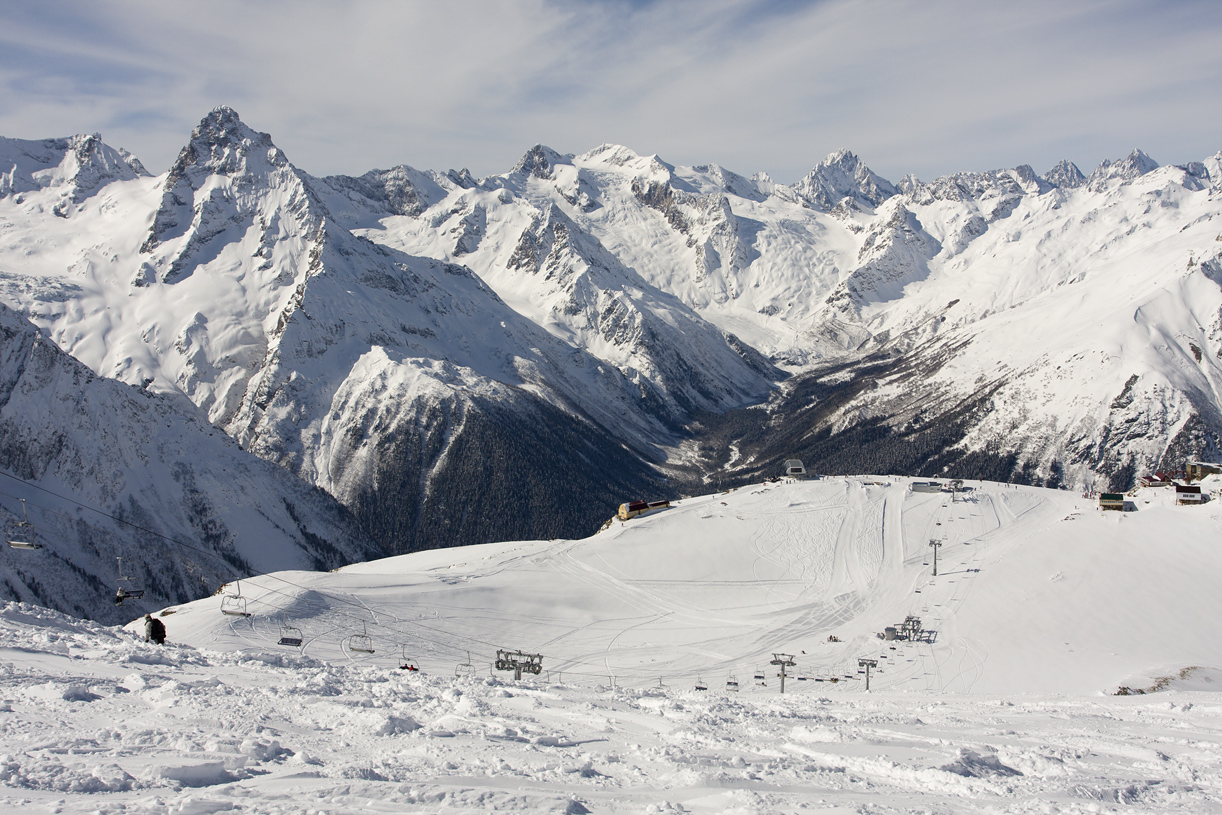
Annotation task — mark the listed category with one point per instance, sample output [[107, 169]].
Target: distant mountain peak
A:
[[612, 154], [1134, 165], [223, 141], [843, 175], [222, 150], [539, 160], [843, 158], [76, 166], [1065, 174]]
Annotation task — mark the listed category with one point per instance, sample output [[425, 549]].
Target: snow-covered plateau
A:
[[1001, 699]]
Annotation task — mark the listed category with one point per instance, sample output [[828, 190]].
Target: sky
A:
[[927, 87]]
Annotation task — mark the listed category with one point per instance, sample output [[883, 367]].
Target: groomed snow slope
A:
[[1038, 592], [1066, 603]]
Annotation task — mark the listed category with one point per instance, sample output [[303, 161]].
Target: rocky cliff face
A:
[[112, 471]]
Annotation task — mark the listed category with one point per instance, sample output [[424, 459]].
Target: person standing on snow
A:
[[154, 629]]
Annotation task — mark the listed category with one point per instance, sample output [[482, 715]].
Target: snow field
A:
[[1037, 592], [1042, 608], [94, 720]]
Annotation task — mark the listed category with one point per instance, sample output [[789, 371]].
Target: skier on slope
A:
[[154, 629]]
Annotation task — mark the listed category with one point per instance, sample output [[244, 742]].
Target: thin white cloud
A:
[[924, 87]]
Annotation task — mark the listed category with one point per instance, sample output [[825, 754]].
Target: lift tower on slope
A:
[[935, 544], [783, 661], [518, 662], [867, 664]]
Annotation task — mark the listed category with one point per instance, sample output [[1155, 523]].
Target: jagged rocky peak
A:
[[1026, 178], [463, 178], [76, 165], [997, 192], [1134, 165], [539, 161], [224, 144], [1066, 175], [227, 176], [842, 175]]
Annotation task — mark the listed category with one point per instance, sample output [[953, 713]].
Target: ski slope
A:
[[1036, 592], [1041, 609]]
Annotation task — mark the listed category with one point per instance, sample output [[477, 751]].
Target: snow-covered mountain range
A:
[[459, 360]]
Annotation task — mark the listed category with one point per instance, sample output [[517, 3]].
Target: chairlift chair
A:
[[234, 604], [700, 684], [406, 663], [289, 635], [760, 679], [360, 643], [467, 669], [732, 683], [20, 534], [123, 593]]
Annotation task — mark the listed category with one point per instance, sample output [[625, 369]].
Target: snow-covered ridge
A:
[[73, 168]]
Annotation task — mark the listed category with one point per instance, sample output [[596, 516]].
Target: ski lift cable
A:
[[645, 674], [184, 545], [398, 627], [73, 520], [395, 627], [210, 554], [395, 624], [176, 542]]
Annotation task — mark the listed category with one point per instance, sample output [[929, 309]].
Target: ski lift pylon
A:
[[234, 604], [20, 534]]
